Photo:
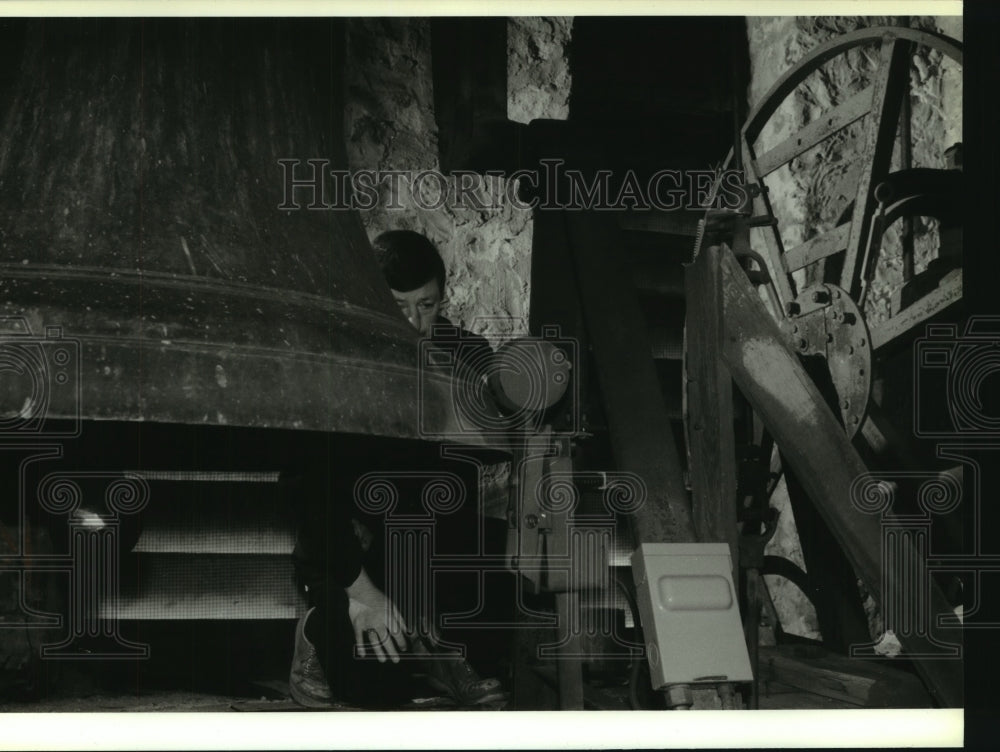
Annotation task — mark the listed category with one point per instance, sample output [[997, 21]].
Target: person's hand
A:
[[377, 622]]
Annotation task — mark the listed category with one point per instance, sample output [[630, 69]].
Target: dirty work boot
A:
[[453, 675], [306, 681]]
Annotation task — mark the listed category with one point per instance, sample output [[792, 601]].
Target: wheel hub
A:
[[823, 320]]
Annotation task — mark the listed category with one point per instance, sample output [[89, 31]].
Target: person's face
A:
[[421, 306]]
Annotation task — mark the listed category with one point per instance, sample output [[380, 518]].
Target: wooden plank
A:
[[774, 253], [778, 696], [569, 666], [844, 679], [772, 379], [876, 153], [672, 222], [711, 441], [836, 119], [638, 423], [469, 71], [816, 248], [555, 300], [904, 323]]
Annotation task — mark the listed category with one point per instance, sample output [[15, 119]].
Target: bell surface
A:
[[141, 237]]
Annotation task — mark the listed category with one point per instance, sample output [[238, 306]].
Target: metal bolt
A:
[[803, 344], [531, 521], [829, 337], [850, 318], [793, 308], [834, 315], [795, 329], [820, 296], [678, 696], [845, 404]]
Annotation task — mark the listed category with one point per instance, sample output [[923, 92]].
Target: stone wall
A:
[[538, 77], [809, 194], [390, 126]]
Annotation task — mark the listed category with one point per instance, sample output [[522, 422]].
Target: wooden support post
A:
[[555, 302], [638, 422], [569, 664], [711, 442], [469, 69]]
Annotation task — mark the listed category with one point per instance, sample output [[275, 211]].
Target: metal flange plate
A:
[[823, 320]]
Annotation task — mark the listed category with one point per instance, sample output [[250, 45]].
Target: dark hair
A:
[[408, 260]]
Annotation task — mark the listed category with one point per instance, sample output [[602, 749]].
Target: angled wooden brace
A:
[[793, 410]]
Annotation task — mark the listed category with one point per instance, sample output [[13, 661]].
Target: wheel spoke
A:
[[905, 325], [876, 153]]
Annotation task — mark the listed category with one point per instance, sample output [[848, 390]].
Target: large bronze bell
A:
[[140, 187]]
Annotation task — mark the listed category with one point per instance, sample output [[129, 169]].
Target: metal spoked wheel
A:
[[822, 288]]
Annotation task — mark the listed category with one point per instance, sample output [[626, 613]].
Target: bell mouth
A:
[[172, 349]]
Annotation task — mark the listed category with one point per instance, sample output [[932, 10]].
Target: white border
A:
[[480, 730], [590, 729], [478, 8]]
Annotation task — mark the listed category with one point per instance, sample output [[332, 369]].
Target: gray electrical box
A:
[[690, 614]]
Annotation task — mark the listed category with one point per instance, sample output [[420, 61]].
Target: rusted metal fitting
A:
[[678, 697]]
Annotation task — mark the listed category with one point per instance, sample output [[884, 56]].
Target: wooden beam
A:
[[641, 437], [904, 323], [469, 70], [816, 248], [775, 252], [835, 595], [836, 119], [876, 153], [711, 441], [862, 684], [569, 665], [770, 376], [673, 223], [555, 302]]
